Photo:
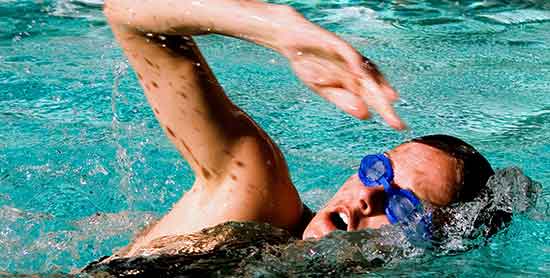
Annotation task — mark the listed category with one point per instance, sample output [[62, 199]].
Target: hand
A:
[[337, 72]]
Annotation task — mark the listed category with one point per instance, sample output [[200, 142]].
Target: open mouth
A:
[[340, 220]]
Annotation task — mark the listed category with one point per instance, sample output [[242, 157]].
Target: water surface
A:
[[84, 164]]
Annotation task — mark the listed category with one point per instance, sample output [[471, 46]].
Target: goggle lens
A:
[[399, 207], [376, 171]]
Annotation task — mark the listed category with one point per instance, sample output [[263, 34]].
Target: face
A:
[[432, 175]]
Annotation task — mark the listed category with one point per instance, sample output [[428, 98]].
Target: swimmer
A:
[[241, 174]]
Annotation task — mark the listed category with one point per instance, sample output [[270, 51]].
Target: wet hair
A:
[[476, 172]]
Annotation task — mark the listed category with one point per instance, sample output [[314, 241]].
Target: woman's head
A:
[[438, 169]]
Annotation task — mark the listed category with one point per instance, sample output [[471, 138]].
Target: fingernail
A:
[[400, 125]]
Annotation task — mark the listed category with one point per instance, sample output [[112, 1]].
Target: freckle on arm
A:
[[228, 153], [197, 111], [148, 61], [182, 94], [205, 173], [171, 132]]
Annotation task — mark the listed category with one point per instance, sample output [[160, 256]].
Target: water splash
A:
[[486, 88], [84, 9], [517, 17], [249, 249], [463, 226]]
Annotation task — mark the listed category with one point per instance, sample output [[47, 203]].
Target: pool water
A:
[[84, 164]]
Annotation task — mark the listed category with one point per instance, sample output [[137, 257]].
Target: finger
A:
[[353, 59], [353, 85], [391, 94], [345, 101], [375, 98], [384, 92], [370, 70]]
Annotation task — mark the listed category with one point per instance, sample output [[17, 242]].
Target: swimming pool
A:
[[83, 163]]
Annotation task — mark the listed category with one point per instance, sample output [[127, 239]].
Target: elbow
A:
[[127, 15]]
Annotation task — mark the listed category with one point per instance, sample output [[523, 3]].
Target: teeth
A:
[[344, 217]]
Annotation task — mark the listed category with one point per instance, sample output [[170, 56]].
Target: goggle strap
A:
[[386, 184], [389, 215]]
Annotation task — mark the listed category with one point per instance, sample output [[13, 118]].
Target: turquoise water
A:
[[84, 165]]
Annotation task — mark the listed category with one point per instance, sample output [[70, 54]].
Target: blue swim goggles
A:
[[400, 205]]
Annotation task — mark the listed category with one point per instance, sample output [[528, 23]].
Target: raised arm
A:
[[184, 94], [241, 174]]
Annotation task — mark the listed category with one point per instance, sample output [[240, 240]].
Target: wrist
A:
[[289, 25], [265, 24], [286, 29]]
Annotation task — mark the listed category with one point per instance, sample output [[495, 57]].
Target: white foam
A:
[[518, 16], [361, 16], [94, 3]]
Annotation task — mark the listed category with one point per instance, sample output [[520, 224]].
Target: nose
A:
[[371, 201]]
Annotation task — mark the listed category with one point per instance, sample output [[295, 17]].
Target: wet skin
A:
[[240, 173], [432, 175]]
